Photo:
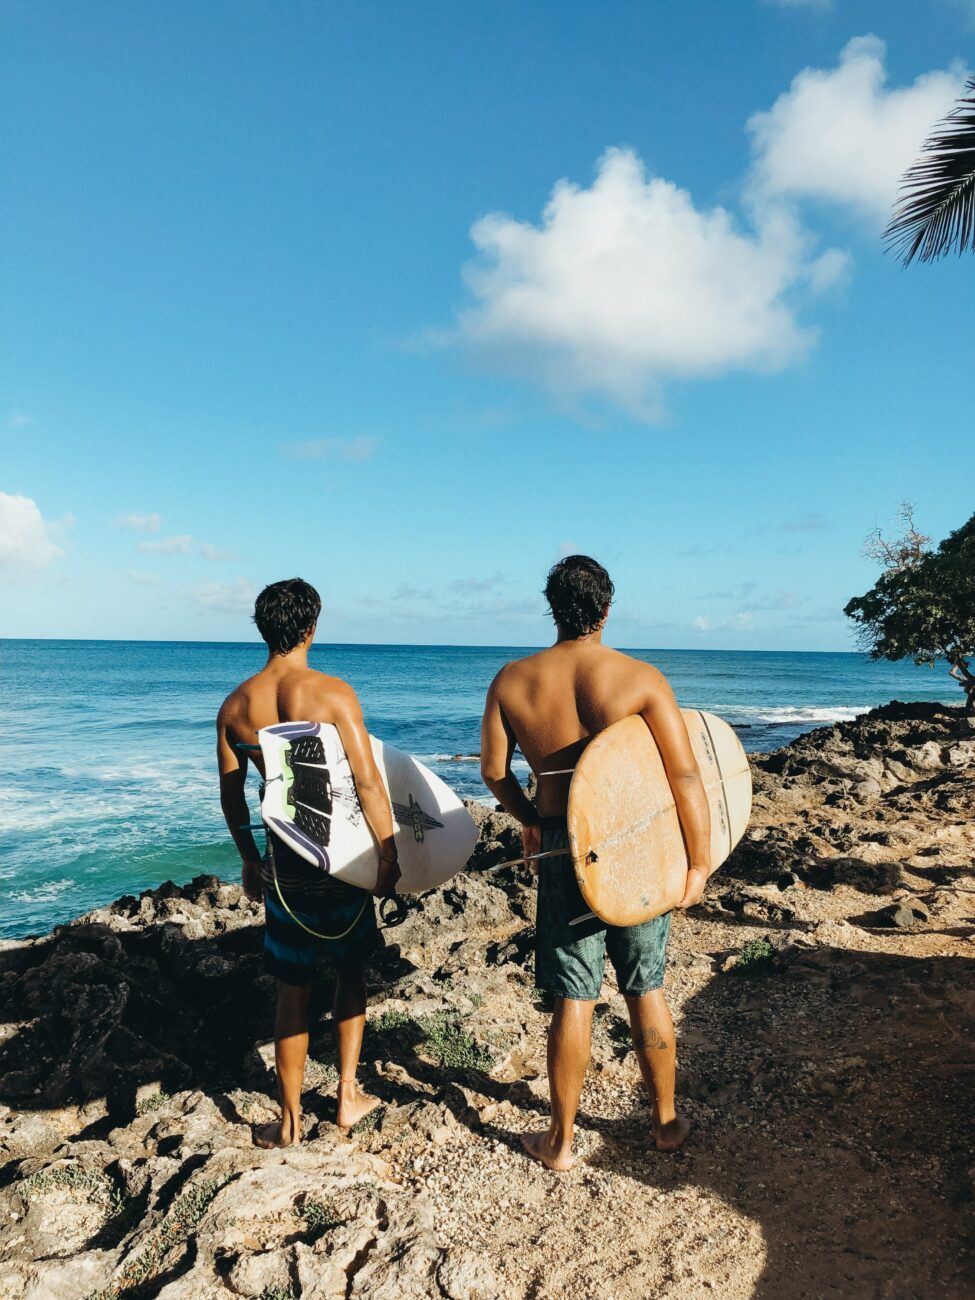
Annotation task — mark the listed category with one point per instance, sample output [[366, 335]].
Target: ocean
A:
[[109, 780]]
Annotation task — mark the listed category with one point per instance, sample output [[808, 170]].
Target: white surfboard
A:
[[310, 803]]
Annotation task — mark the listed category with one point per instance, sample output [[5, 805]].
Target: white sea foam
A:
[[797, 715], [46, 893]]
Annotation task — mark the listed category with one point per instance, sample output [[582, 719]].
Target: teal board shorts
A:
[[569, 959], [343, 919]]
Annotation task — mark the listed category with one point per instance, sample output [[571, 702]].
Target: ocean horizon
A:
[[108, 745]]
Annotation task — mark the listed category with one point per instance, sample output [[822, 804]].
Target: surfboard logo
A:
[[412, 815]]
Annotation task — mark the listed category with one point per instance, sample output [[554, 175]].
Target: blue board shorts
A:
[[570, 959], [343, 920]]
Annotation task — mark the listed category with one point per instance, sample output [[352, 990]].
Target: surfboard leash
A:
[[297, 920]]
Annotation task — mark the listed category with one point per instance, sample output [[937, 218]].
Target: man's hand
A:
[[387, 876], [531, 843], [697, 878], [252, 882]]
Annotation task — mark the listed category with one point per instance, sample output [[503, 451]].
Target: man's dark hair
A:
[[578, 591], [285, 612]]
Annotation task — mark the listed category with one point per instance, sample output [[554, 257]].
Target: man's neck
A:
[[296, 658], [587, 638]]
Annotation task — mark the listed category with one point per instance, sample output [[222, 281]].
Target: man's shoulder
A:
[[517, 669], [321, 686], [620, 665], [234, 700]]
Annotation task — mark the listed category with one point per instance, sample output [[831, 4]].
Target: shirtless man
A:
[[551, 705], [287, 690]]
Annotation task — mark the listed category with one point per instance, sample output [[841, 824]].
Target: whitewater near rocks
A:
[[824, 998]]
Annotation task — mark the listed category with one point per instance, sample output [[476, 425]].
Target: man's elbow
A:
[[492, 775], [686, 778]]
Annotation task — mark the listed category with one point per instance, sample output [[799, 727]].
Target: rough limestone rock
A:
[[136, 1055]]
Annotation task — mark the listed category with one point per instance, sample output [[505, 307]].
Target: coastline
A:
[[113, 787], [136, 1050]]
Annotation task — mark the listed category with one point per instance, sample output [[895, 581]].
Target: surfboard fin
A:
[[532, 857]]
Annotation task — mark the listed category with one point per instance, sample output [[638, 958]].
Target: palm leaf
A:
[[935, 212]]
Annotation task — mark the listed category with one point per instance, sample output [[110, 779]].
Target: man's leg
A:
[[569, 1048], [290, 1051], [655, 1044], [349, 1010]]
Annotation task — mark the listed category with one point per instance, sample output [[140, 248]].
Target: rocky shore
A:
[[825, 1001]]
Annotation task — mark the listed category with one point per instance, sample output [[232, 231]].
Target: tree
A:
[[922, 607], [935, 212]]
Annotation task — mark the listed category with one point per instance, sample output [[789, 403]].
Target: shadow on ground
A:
[[833, 1106]]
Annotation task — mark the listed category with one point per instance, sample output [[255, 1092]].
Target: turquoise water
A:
[[107, 746]]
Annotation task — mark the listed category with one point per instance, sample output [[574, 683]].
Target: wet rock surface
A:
[[825, 1004]]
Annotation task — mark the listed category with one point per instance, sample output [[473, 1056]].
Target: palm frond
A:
[[935, 212]]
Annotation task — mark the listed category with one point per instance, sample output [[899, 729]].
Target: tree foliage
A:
[[922, 607], [936, 209]]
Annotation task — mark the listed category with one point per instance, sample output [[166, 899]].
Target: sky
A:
[[412, 300]]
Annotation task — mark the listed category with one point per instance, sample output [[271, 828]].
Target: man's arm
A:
[[663, 716], [497, 746], [232, 766], [346, 714]]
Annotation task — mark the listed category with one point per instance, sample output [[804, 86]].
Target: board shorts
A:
[[342, 917], [570, 959]]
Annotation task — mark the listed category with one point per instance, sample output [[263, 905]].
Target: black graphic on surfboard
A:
[[310, 790], [413, 815], [312, 796]]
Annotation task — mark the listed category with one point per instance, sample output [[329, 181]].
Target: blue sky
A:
[[412, 299]]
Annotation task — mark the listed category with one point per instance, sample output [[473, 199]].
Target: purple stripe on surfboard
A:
[[289, 730], [289, 831]]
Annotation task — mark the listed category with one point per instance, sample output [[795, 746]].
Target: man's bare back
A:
[[288, 691], [281, 693], [555, 701]]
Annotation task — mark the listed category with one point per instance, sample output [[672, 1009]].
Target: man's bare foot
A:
[[270, 1136], [669, 1137], [539, 1147], [354, 1104]]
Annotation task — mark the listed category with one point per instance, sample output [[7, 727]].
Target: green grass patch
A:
[[184, 1214], [90, 1184], [319, 1215], [279, 1293], [755, 958], [148, 1104], [369, 1122], [452, 1046], [389, 1022]]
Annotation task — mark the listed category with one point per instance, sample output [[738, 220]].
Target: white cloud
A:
[[346, 449], [475, 586], [743, 621], [218, 553], [145, 579], [409, 591], [181, 544], [235, 597], [841, 135], [26, 537], [627, 283], [809, 522], [142, 523]]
